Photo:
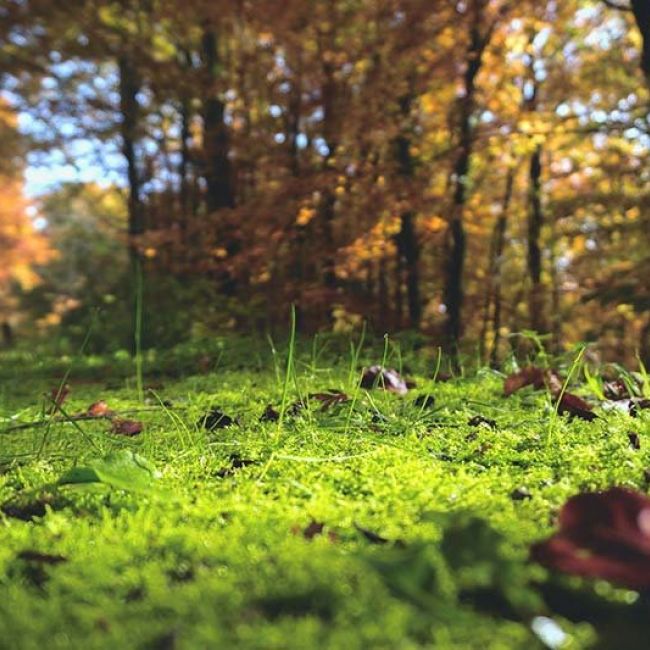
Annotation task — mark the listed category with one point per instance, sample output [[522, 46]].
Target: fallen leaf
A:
[[530, 376], [296, 408], [28, 510], [426, 401], [478, 420], [269, 415], [602, 535], [370, 535], [638, 404], [127, 428], [236, 462], [215, 419], [41, 558], [310, 531], [635, 440], [576, 407], [122, 469], [386, 378], [99, 410], [521, 494], [330, 398], [616, 390]]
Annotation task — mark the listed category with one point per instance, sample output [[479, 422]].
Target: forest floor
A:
[[187, 515]]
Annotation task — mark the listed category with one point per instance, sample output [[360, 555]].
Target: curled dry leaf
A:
[[385, 378], [530, 376], [127, 428], [330, 398], [602, 535], [538, 378], [576, 407]]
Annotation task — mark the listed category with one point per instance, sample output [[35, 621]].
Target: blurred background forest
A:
[[466, 169]]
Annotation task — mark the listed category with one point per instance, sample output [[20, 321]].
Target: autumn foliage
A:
[[468, 169]]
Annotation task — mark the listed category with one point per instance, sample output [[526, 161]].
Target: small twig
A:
[[80, 417]]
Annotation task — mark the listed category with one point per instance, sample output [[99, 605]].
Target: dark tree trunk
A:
[[407, 241], [398, 298], [218, 173], [641, 11], [185, 162], [185, 184], [129, 109], [535, 223], [409, 253], [7, 334], [382, 297], [328, 201], [293, 120], [453, 294], [327, 216], [495, 262]]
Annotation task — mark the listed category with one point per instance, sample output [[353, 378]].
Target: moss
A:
[[217, 556]]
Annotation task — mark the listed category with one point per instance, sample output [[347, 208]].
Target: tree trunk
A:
[[218, 174], [185, 162], [409, 251], [641, 11], [398, 298], [407, 241], [535, 223], [453, 294], [495, 262], [382, 297], [329, 93], [129, 109], [293, 119]]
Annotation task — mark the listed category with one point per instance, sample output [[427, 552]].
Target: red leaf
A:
[[385, 378], [576, 407], [602, 535], [126, 427], [530, 376], [312, 530], [99, 410]]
